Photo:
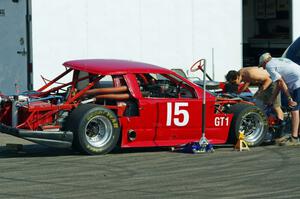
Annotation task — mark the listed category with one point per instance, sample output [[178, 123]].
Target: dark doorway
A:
[[267, 27]]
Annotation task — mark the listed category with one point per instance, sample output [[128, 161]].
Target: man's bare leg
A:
[[279, 112], [295, 123], [299, 126]]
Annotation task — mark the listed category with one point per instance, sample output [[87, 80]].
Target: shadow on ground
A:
[[35, 150]]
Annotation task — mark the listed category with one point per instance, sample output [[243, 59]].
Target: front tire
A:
[[251, 120], [96, 129]]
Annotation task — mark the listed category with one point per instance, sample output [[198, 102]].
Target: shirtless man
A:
[[261, 78]]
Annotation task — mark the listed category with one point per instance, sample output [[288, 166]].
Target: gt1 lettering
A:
[[221, 121], [177, 112]]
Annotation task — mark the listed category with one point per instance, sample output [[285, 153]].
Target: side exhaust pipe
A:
[[131, 135], [57, 139]]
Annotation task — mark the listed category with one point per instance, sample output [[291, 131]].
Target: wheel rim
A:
[[253, 126], [98, 131]]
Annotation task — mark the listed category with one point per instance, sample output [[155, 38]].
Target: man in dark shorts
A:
[[286, 74]]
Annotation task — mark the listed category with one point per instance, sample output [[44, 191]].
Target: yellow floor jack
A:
[[241, 144]]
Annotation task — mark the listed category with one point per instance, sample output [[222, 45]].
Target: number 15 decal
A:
[[174, 115]]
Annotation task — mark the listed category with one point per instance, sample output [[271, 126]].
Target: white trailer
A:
[[37, 36], [15, 66]]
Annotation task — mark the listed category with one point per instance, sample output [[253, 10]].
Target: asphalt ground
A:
[[40, 172]]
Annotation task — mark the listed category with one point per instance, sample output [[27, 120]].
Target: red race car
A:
[[110, 103]]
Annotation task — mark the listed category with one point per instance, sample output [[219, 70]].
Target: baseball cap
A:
[[263, 58]]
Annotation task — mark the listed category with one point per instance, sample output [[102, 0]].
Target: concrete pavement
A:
[[41, 172]]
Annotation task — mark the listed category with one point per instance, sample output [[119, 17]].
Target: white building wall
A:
[[296, 19], [169, 33]]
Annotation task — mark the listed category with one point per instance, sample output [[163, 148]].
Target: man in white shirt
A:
[[286, 74]]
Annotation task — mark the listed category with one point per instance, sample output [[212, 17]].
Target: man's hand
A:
[[292, 103]]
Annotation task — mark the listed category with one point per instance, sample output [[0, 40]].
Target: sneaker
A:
[[290, 142], [282, 139]]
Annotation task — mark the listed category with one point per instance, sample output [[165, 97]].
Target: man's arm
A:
[[244, 87], [264, 86], [281, 85]]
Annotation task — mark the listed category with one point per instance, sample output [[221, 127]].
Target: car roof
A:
[[113, 66]]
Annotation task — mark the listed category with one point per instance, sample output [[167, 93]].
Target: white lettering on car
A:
[[177, 112], [221, 121]]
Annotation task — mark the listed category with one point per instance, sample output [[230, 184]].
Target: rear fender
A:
[[218, 127]]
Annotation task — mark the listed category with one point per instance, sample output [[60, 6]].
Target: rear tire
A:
[[96, 129], [251, 120]]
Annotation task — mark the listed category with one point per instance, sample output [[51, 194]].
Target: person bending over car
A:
[[286, 74], [259, 77]]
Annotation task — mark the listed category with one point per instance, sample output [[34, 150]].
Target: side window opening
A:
[[105, 91], [112, 90], [83, 83], [164, 86], [131, 103], [106, 82]]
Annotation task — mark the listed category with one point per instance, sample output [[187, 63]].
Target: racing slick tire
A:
[[251, 120], [96, 129]]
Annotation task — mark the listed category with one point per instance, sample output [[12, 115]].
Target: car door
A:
[[176, 106], [179, 121], [169, 111]]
